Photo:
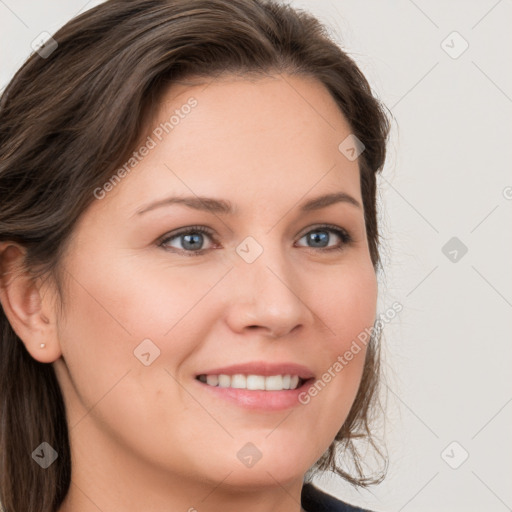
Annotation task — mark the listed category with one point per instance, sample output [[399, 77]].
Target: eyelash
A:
[[346, 238]]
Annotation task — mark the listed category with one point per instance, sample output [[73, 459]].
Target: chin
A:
[[265, 475], [271, 465]]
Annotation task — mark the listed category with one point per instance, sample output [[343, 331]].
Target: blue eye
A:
[[191, 239], [320, 236]]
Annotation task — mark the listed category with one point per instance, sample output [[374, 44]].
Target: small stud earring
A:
[[42, 345]]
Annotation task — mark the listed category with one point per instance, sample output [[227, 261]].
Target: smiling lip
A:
[[257, 399]]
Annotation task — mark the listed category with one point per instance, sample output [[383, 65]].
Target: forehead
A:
[[243, 140]]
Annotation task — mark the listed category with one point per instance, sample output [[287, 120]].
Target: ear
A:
[[28, 305]]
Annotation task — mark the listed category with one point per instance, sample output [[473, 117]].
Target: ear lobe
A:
[[31, 315]]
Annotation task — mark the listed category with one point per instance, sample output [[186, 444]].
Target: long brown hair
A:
[[68, 120]]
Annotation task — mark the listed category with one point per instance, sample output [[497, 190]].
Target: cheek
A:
[[347, 305], [346, 308], [113, 305], [108, 315], [149, 297], [106, 319]]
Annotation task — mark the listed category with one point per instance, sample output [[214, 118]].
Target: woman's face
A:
[[151, 304]]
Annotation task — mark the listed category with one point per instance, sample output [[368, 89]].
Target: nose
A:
[[266, 297]]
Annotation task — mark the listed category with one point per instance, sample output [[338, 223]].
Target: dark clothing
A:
[[315, 500]]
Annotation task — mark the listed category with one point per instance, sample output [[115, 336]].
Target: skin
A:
[[150, 437]]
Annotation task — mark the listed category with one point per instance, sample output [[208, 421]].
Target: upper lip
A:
[[262, 368]]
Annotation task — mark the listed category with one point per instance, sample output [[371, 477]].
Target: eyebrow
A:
[[222, 206]]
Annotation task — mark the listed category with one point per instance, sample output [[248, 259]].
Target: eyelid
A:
[[329, 227]]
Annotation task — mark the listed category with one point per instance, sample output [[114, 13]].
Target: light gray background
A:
[[448, 354]]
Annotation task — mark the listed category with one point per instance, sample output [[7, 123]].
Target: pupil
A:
[[193, 244], [319, 238]]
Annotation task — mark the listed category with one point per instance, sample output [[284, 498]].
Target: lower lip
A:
[[259, 400]]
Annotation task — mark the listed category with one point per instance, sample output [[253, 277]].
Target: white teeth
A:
[[238, 381], [224, 381], [255, 382], [252, 382], [212, 380], [274, 383]]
